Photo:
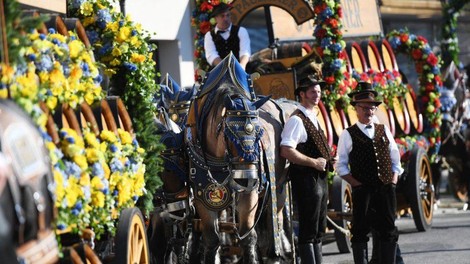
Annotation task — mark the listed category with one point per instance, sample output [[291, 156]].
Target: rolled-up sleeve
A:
[[291, 134], [343, 150], [244, 38], [209, 48]]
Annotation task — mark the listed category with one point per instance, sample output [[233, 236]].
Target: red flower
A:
[[364, 77], [419, 68], [416, 54], [437, 102], [429, 87], [332, 22], [404, 38], [432, 59], [321, 33], [204, 27], [438, 80], [206, 6], [422, 39], [340, 12], [330, 80]]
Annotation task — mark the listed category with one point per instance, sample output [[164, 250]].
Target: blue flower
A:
[[325, 42], [45, 63], [72, 169], [130, 66], [76, 3], [51, 31], [93, 36], [97, 169], [395, 42], [116, 165]]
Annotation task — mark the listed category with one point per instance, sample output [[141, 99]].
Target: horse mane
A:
[[213, 105]]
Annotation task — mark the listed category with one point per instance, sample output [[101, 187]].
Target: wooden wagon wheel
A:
[[131, 238], [341, 203], [419, 189]]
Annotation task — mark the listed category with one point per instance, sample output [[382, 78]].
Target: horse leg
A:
[[247, 205], [210, 233]]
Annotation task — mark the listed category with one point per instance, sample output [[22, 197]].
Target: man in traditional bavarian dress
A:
[[226, 38], [369, 160], [305, 146]]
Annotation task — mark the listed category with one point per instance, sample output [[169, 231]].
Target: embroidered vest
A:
[[370, 160], [316, 145], [225, 46]]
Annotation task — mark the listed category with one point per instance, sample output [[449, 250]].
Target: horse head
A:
[[174, 99]]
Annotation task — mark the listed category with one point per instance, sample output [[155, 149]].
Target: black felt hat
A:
[[220, 8], [307, 82], [364, 93]]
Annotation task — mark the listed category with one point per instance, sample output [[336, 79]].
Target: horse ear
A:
[[261, 101]]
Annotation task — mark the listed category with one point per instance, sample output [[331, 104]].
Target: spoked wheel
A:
[[131, 238], [420, 190], [341, 203]]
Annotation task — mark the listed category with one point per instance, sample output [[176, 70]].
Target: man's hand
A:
[[319, 164]]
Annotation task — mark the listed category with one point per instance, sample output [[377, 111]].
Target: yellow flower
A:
[[96, 183], [88, 21], [135, 42], [115, 62], [76, 47], [51, 102], [97, 199], [108, 136], [4, 93], [114, 26], [125, 136], [85, 179], [81, 161], [87, 9], [123, 34], [137, 58], [116, 52], [93, 155]]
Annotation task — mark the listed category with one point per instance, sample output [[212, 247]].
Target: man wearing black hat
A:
[[369, 160], [226, 38], [304, 144]]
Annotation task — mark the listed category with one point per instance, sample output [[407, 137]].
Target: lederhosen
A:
[[310, 186], [374, 202], [224, 46]]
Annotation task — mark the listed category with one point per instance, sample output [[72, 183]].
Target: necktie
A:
[[220, 32], [369, 126]]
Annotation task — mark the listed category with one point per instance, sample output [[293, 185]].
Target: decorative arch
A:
[[300, 10]]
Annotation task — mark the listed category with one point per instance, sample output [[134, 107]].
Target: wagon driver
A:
[[304, 144], [226, 38], [369, 160]]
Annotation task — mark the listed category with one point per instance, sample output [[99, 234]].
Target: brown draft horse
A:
[[223, 135], [169, 235]]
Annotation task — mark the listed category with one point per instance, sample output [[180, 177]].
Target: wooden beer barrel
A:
[[386, 53], [56, 22], [325, 123], [338, 121], [86, 118], [358, 61], [400, 109], [111, 114], [74, 24], [372, 56], [416, 117]]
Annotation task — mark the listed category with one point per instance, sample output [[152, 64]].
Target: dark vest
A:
[[316, 145], [225, 46], [370, 160]]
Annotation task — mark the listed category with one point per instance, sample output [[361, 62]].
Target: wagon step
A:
[[226, 227]]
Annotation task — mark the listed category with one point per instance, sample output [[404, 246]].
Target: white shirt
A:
[[345, 147], [211, 50], [294, 131]]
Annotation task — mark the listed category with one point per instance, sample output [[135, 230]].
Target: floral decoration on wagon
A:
[[427, 65], [125, 50], [66, 69], [203, 23], [329, 45]]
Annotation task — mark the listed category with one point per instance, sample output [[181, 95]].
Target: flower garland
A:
[[450, 43], [203, 23], [388, 84], [329, 45], [122, 46], [427, 65]]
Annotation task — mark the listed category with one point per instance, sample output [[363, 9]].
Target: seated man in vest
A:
[[226, 37]]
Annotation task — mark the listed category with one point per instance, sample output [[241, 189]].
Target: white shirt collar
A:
[[227, 30]]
